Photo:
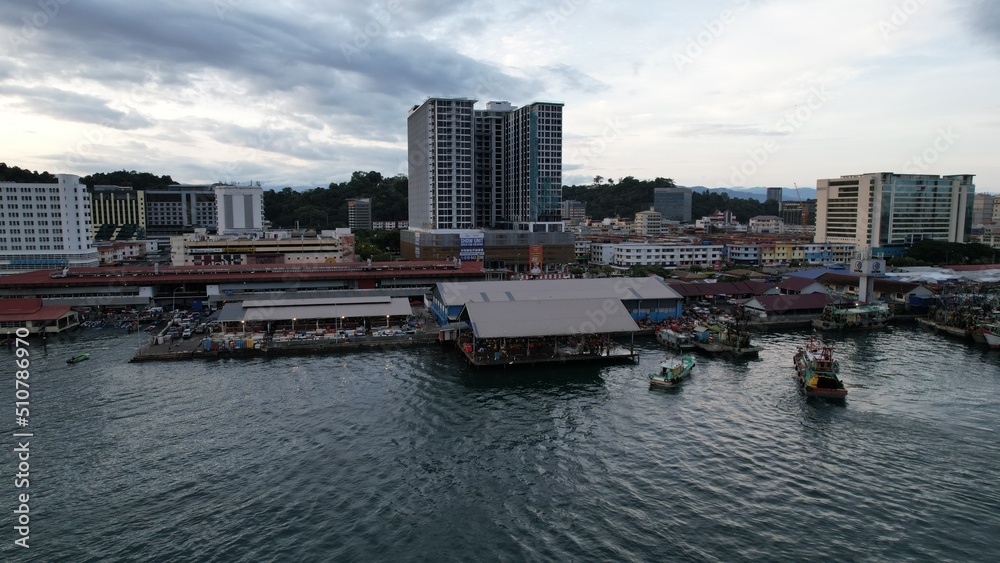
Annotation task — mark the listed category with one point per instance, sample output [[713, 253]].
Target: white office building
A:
[[45, 226]]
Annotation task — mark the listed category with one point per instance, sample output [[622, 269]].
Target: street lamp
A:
[[173, 298], [293, 325], [387, 321]]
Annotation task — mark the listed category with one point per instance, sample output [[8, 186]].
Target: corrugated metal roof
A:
[[549, 317], [247, 304], [460, 293], [794, 302], [721, 288], [270, 311]]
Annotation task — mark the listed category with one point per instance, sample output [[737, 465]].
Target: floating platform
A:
[[194, 350], [487, 358]]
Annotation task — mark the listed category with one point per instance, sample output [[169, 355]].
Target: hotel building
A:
[[45, 226], [888, 212]]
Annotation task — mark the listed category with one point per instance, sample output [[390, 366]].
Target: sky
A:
[[301, 93]]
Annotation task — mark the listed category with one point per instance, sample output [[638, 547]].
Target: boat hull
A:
[[992, 339], [821, 324], [825, 393]]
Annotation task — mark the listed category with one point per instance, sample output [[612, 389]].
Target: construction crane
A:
[[802, 205]]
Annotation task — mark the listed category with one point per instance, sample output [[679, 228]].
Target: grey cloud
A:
[[64, 104], [984, 16], [326, 63], [575, 80], [310, 68]]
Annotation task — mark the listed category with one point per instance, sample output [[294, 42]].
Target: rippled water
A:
[[411, 455]]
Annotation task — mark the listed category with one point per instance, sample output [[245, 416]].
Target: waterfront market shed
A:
[[642, 297], [544, 318], [316, 310], [544, 331]]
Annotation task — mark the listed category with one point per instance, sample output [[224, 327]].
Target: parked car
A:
[[187, 333]]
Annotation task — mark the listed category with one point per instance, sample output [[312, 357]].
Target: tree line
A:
[[628, 196], [327, 207], [23, 175]]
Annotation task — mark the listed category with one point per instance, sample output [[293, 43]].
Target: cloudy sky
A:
[[304, 92]]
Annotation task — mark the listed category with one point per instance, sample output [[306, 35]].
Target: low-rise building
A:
[[201, 249], [625, 255], [766, 224], [33, 315], [648, 223], [116, 253]]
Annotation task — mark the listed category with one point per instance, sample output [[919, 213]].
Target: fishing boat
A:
[[78, 358], [731, 341], [818, 372], [991, 333], [674, 340], [868, 316], [672, 371]]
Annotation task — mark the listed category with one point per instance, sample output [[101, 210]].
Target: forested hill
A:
[[327, 207], [23, 175], [629, 196], [138, 180]]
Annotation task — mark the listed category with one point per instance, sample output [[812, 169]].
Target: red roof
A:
[[145, 275], [30, 309], [796, 284]]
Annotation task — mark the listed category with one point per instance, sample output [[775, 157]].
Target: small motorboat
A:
[[78, 358]]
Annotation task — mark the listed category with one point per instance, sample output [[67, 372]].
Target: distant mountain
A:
[[758, 193]]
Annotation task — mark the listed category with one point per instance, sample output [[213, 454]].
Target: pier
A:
[[194, 348]]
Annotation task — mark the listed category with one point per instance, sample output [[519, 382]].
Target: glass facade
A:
[[886, 210]]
